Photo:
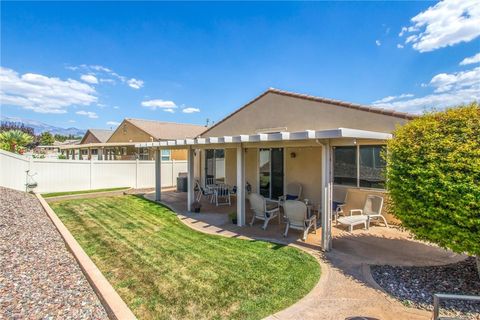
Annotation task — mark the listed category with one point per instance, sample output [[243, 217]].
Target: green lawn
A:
[[165, 270], [67, 193]]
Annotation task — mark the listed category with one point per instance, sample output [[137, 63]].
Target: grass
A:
[[68, 193], [165, 270]]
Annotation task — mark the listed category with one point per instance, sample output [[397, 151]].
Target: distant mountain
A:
[[39, 127]]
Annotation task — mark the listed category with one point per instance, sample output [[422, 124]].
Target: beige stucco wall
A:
[[306, 169], [131, 134], [89, 138], [294, 114]]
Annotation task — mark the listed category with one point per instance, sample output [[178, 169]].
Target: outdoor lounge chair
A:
[[371, 210], [296, 217], [294, 192], [259, 208]]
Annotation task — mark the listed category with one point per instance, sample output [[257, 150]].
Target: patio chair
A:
[[222, 192], [293, 192], [371, 210], [202, 192], [259, 207], [296, 218]]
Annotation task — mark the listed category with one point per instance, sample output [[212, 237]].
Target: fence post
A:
[[137, 164], [91, 172], [173, 172]]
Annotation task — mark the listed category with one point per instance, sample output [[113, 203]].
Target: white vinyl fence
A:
[[54, 175]]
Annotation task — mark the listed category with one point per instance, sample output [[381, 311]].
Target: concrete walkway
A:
[[346, 289]]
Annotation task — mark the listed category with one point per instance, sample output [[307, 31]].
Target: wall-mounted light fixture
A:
[[293, 155]]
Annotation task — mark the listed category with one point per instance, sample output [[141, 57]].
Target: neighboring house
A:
[[119, 144], [328, 146]]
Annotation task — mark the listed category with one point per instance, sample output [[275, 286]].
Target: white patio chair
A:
[[202, 192], [222, 192], [258, 205], [371, 210], [293, 192], [296, 217]]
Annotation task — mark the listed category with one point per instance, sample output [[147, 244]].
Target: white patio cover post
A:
[[191, 177], [240, 186], [326, 198], [158, 175]]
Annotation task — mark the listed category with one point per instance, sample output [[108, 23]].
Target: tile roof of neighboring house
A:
[[66, 142], [161, 130], [101, 134], [345, 104]]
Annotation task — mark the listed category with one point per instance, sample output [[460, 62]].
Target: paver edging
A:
[[112, 302]]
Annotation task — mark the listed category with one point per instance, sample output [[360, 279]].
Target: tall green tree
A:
[[46, 139], [14, 140], [433, 177]]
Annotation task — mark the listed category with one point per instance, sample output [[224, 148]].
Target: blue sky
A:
[[92, 64]]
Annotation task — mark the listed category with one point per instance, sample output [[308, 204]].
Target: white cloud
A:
[[159, 104], [72, 121], [464, 79], [90, 114], [447, 23], [113, 123], [378, 43], [400, 46], [90, 78], [135, 83], [391, 98], [471, 60], [116, 107], [449, 90], [169, 110], [190, 110], [106, 75], [41, 93]]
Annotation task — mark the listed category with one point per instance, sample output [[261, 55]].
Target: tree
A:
[[433, 177], [14, 140], [46, 139], [9, 125]]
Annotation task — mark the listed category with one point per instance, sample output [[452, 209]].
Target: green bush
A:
[[433, 176]]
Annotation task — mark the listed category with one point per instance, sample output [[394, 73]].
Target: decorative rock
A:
[[39, 278], [416, 286]]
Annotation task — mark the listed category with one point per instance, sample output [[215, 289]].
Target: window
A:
[[215, 164], [345, 166], [359, 166], [166, 155], [143, 154], [372, 167]]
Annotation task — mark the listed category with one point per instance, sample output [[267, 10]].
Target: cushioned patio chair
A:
[[258, 205], [294, 192], [371, 210], [296, 217]]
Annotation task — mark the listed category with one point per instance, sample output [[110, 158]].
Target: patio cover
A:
[[322, 137]]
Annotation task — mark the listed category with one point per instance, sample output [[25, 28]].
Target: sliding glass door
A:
[[271, 173]]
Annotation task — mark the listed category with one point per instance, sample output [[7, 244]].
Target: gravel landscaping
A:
[[415, 286], [39, 278]]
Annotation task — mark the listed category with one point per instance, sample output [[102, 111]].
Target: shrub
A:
[[15, 141], [433, 176]]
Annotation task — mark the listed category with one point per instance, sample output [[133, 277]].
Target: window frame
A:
[[357, 155], [164, 157]]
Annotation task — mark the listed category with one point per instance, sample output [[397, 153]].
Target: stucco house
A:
[[330, 147], [119, 144]]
